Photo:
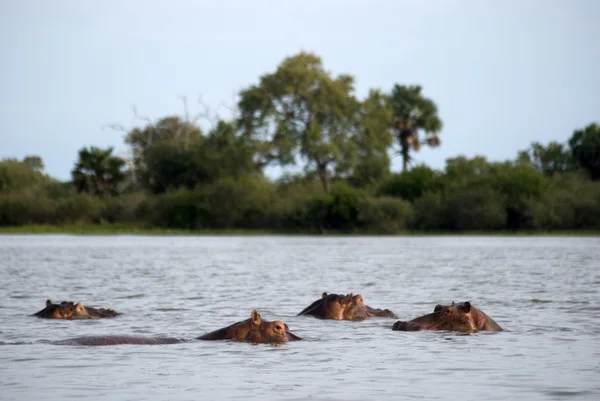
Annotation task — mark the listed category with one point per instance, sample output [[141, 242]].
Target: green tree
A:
[[551, 159], [585, 145], [412, 184], [142, 141], [171, 163], [234, 155], [97, 171], [16, 175], [373, 139], [300, 111], [414, 114], [35, 162]]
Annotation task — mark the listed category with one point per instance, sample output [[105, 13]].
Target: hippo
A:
[[461, 317], [253, 330], [63, 310], [70, 310], [343, 307]]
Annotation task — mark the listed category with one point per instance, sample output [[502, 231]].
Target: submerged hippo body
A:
[[117, 340], [461, 317], [343, 307], [253, 330], [70, 310]]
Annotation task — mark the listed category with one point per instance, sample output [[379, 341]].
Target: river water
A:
[[544, 291]]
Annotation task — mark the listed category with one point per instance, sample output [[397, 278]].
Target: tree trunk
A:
[[322, 172], [405, 148]]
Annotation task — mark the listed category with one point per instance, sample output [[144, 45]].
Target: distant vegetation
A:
[[182, 178]]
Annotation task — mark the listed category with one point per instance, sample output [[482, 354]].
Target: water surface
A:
[[543, 290]]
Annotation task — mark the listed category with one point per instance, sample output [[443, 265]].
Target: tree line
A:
[[182, 176]]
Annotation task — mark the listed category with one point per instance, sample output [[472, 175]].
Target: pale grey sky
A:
[[503, 73]]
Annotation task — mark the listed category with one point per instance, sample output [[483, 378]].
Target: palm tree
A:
[[414, 113], [97, 171]]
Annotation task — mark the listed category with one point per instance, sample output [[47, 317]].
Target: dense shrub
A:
[[412, 184], [384, 215]]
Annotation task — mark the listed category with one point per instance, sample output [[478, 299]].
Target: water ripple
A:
[[541, 290]]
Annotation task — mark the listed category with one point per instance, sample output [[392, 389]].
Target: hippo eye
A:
[[278, 327]]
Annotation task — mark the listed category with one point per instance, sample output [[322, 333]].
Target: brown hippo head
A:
[[461, 317], [64, 310], [343, 307], [254, 330]]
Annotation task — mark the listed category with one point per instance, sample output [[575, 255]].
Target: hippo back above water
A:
[[69, 311], [343, 307], [462, 317]]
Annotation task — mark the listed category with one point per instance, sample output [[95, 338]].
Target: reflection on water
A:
[[543, 291]]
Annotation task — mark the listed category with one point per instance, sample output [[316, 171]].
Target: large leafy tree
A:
[[34, 161], [170, 163], [416, 121], [585, 145], [301, 111], [17, 175], [551, 159], [98, 171], [143, 141], [373, 139]]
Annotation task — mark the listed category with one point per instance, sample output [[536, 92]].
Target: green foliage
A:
[[182, 157], [585, 145], [19, 175], [98, 172], [411, 185], [572, 202], [373, 138], [181, 208], [25, 207], [517, 184], [301, 115], [384, 215], [142, 140], [551, 159], [300, 111], [80, 208], [474, 208], [414, 114], [35, 162]]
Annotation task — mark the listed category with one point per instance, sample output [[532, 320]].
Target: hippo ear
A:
[[255, 316], [347, 299], [466, 307], [48, 302], [324, 295]]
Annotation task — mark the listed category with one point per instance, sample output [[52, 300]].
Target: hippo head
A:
[[254, 330], [462, 317], [343, 307], [64, 310], [262, 331]]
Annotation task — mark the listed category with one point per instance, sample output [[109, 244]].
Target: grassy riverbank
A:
[[124, 229]]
